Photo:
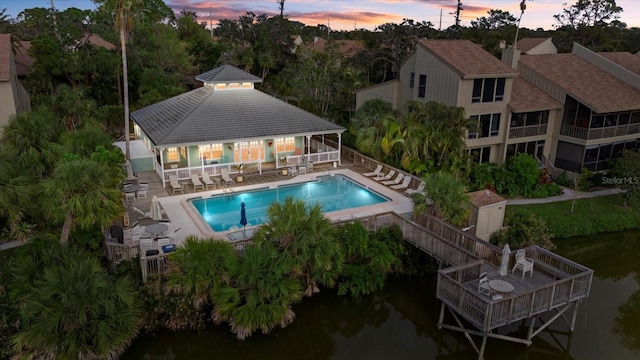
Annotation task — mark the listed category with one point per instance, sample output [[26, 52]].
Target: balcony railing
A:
[[524, 131], [599, 133]]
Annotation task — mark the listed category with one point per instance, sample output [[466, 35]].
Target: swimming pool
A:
[[333, 193]]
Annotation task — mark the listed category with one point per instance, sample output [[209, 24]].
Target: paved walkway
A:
[[568, 194]]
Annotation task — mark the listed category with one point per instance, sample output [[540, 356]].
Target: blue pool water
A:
[[333, 193]]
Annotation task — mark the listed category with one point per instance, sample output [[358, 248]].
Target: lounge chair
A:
[[419, 190], [404, 185], [396, 181], [175, 185], [207, 180], [197, 184], [225, 177], [389, 175], [375, 172]]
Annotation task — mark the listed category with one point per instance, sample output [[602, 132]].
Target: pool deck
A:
[[182, 214]]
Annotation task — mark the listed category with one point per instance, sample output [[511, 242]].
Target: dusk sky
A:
[[347, 14]]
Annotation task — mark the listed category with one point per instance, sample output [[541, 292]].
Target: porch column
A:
[[188, 158], [339, 148], [308, 146], [160, 151]]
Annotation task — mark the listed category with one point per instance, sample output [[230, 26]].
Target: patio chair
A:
[[381, 177], [523, 263], [207, 180], [302, 170], [197, 184], [142, 194], [404, 185], [293, 171], [375, 172], [419, 190], [225, 177], [175, 185], [146, 243], [483, 284], [130, 196], [394, 182]]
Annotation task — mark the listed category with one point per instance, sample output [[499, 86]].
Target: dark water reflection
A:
[[400, 322]]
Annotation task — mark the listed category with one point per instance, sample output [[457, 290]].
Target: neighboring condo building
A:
[[537, 104]]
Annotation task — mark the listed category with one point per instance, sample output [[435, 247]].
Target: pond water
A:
[[399, 322]]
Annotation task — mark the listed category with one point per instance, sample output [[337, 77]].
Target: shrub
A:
[[563, 180], [523, 173]]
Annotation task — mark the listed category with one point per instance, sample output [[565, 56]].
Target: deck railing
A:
[[524, 131], [599, 133], [457, 287]]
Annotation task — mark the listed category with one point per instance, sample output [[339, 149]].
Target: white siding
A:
[[442, 81], [546, 47]]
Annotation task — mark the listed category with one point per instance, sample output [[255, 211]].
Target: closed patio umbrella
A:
[[155, 212], [243, 217], [504, 261]]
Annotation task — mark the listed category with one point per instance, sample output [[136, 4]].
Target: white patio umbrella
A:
[[504, 261], [155, 213]]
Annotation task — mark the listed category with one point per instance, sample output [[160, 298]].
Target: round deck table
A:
[[501, 286], [156, 229]]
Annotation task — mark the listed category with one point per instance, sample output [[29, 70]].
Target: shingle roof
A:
[[5, 57], [527, 44], [23, 60], [525, 97], [227, 74], [204, 115], [468, 59], [596, 88], [482, 198], [345, 47], [625, 59]]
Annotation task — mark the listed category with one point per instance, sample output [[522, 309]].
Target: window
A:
[[211, 152], [285, 144], [422, 86], [530, 148], [488, 90], [480, 155], [488, 125], [412, 79], [249, 151], [172, 155]]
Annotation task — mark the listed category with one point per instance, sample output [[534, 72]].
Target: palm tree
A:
[[201, 268], [81, 193], [72, 105], [71, 307], [445, 196], [16, 189], [259, 294], [34, 136], [307, 238], [124, 10]]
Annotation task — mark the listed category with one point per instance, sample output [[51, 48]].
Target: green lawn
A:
[[590, 216]]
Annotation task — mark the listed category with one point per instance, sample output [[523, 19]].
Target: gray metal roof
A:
[[204, 116], [227, 74]]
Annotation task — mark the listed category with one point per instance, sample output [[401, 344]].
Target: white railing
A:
[[524, 131]]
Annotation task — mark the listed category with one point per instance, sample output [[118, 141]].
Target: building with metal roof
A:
[[226, 123]]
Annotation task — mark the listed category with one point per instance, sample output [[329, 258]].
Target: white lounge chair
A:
[[389, 175], [207, 180], [419, 190], [404, 185], [225, 177], [175, 185], [197, 184], [375, 172], [394, 182]]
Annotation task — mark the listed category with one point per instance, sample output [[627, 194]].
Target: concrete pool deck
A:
[[183, 216]]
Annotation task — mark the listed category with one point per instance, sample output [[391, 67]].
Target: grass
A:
[[590, 216]]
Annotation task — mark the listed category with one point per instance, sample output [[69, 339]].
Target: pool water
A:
[[333, 193]]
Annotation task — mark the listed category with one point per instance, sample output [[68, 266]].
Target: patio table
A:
[[501, 286], [156, 229]]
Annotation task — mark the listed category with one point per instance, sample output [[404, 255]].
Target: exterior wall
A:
[[7, 104], [388, 91], [542, 83], [546, 47], [442, 82], [487, 219], [14, 99]]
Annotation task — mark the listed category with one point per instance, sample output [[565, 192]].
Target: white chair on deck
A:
[[523, 263], [396, 181], [404, 185], [130, 196], [197, 184], [483, 284], [381, 177], [175, 185], [224, 173], [207, 180], [419, 190]]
